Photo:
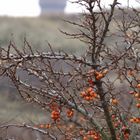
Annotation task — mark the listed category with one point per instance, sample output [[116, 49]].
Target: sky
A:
[[31, 8], [75, 8], [18, 8]]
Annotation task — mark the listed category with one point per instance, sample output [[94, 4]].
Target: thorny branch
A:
[[57, 80], [30, 127]]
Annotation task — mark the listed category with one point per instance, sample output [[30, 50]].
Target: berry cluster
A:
[[136, 95], [98, 74], [89, 94], [92, 135], [55, 115], [135, 120], [43, 126], [120, 128]]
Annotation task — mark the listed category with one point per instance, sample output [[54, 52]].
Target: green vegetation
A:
[[38, 31]]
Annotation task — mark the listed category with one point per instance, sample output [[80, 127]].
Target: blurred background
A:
[[39, 21]]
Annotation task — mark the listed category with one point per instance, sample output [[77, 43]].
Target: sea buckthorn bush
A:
[[95, 96]]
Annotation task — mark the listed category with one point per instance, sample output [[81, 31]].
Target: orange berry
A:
[[99, 76], [138, 86], [138, 105], [131, 120], [85, 138], [137, 95], [89, 89], [96, 138], [114, 101], [87, 98], [138, 120], [89, 94], [92, 93], [91, 97], [48, 126], [70, 113], [41, 126], [95, 95], [130, 72], [55, 115], [135, 120], [83, 94]]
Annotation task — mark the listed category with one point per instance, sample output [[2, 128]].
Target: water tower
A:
[[52, 5]]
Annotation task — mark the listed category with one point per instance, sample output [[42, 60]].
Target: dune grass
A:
[[37, 31]]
